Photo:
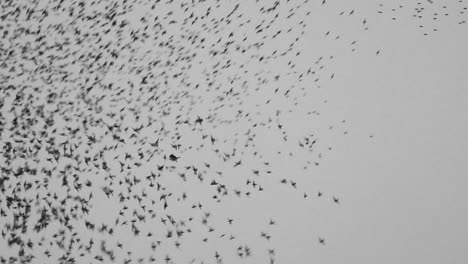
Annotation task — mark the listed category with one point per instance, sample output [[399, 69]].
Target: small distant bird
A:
[[321, 240], [172, 157], [336, 200]]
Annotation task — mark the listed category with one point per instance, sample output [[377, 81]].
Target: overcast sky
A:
[[398, 162]]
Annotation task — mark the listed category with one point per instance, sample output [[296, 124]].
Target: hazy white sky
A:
[[400, 171]]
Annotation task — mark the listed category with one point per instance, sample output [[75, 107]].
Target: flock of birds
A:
[[135, 118]]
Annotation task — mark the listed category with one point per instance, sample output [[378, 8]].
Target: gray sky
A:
[[399, 171]]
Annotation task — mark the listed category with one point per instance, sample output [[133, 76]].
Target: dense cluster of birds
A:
[[134, 119]]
